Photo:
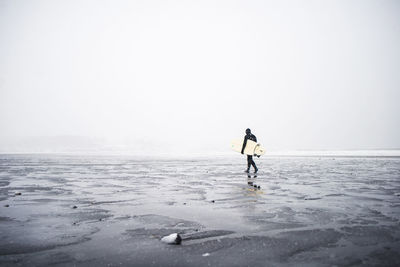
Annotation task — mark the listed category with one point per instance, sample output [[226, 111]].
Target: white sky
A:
[[300, 74]]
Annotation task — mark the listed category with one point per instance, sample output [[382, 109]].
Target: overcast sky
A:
[[300, 74]]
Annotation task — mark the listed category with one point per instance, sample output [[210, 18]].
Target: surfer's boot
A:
[[247, 171], [255, 170]]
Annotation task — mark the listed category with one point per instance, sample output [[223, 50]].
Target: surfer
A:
[[250, 161]]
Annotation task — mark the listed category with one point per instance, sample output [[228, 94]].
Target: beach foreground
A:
[[64, 210]]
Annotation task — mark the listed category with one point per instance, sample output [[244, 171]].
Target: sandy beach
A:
[[61, 210]]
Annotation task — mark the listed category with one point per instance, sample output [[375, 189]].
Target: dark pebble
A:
[[213, 201], [18, 194], [6, 205], [74, 207]]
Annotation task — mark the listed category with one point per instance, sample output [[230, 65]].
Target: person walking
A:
[[250, 161]]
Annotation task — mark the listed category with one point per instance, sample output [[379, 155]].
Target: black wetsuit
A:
[[250, 161]]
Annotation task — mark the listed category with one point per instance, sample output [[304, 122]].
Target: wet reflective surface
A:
[[108, 210]]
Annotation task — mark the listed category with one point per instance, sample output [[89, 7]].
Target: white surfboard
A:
[[252, 148], [259, 150]]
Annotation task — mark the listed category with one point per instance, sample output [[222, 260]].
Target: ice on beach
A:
[[310, 210]]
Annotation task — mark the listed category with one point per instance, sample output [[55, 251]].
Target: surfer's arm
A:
[[244, 144]]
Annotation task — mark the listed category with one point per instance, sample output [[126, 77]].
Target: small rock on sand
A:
[[173, 239]]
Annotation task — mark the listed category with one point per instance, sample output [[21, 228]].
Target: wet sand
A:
[[64, 210]]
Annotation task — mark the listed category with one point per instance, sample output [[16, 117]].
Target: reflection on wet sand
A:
[[93, 210]]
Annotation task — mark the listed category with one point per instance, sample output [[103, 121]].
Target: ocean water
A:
[[101, 210]]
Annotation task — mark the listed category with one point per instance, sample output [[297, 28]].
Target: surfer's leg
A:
[[254, 165], [249, 160]]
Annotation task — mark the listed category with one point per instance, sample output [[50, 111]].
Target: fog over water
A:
[[144, 75]]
